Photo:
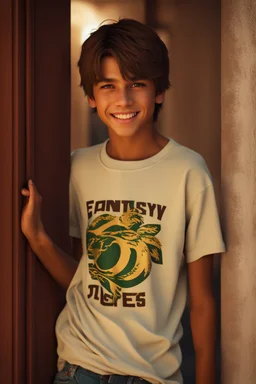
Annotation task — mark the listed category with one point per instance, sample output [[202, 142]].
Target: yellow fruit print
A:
[[122, 249]]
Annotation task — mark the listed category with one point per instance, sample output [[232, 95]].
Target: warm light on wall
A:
[[87, 30], [86, 17]]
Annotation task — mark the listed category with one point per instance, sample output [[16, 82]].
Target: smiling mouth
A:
[[124, 116]]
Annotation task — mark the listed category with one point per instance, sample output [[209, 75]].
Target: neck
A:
[[134, 148]]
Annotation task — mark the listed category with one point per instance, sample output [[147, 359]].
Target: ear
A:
[[91, 102], [160, 98]]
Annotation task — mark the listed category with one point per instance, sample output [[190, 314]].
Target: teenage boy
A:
[[142, 214]]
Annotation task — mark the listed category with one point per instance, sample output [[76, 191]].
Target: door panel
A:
[[34, 142], [12, 172], [49, 155]]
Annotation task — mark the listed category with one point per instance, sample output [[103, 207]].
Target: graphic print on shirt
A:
[[121, 250]]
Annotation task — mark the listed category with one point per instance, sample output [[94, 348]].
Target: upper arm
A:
[[200, 279], [77, 248]]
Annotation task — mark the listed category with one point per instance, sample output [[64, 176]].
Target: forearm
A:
[[203, 326], [59, 264]]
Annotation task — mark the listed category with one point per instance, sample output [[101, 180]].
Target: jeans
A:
[[73, 374]]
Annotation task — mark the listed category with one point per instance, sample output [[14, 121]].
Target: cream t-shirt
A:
[[140, 222]]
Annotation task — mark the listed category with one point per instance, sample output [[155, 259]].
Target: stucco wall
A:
[[238, 186]]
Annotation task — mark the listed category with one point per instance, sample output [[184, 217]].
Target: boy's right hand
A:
[[31, 224]]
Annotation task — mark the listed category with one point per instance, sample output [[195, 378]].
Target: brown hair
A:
[[138, 50]]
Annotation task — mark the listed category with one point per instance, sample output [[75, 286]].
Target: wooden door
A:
[[34, 142]]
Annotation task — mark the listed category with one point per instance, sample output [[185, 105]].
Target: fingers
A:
[[25, 189], [25, 192], [31, 192], [35, 196]]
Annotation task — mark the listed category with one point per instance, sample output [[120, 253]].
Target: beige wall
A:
[[192, 113], [238, 190]]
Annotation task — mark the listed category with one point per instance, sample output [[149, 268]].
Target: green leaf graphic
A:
[[114, 228], [101, 243], [131, 217], [156, 254], [100, 220], [135, 227], [149, 229], [129, 235], [90, 236], [151, 240]]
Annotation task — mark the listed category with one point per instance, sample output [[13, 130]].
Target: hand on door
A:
[[31, 224], [59, 264]]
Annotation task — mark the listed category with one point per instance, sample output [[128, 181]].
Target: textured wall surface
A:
[[239, 191], [192, 115]]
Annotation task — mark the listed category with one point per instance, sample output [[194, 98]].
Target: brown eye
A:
[[106, 86], [138, 85]]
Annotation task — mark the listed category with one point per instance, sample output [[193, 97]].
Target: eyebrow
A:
[[110, 80], [106, 80]]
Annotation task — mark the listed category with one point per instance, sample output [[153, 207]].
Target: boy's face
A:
[[126, 107]]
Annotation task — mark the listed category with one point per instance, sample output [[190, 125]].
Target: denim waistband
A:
[[73, 369]]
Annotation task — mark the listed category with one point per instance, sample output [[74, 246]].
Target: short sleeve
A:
[[203, 230], [74, 210]]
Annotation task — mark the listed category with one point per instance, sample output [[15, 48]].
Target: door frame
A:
[[34, 142]]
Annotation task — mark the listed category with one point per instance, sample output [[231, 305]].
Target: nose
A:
[[123, 98]]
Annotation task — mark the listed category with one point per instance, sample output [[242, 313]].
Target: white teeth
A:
[[127, 116]]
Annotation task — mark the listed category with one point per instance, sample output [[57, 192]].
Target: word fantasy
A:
[[144, 208]]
